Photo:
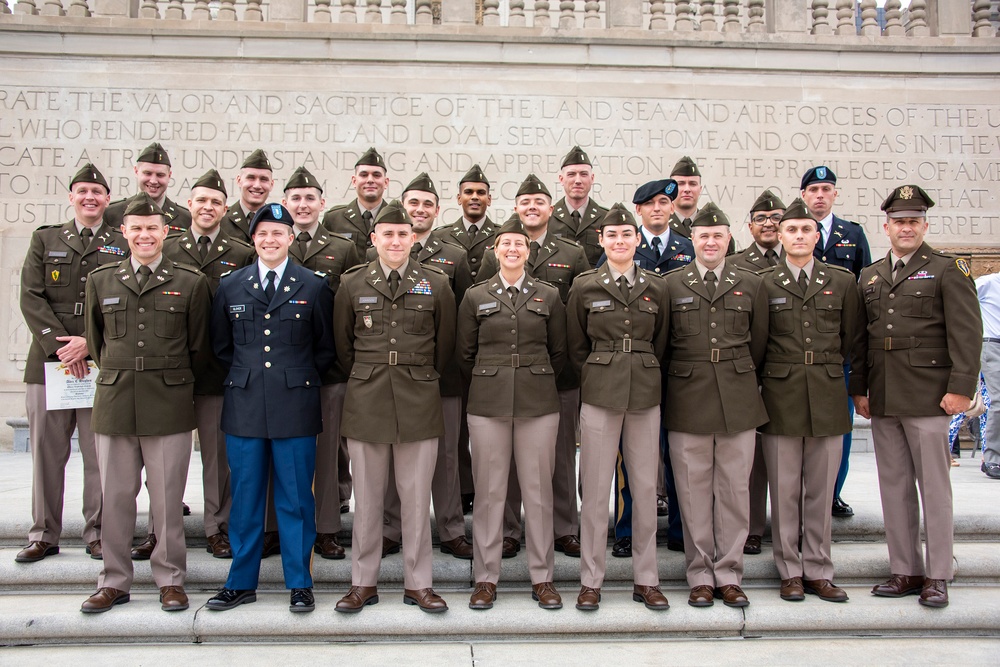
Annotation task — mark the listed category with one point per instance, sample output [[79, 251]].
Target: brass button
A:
[[628, 322], [892, 296], [267, 364], [714, 325], [171, 309], [393, 324], [297, 315], [267, 348], [805, 307], [392, 340], [805, 324], [513, 347], [142, 327], [141, 310], [715, 340], [513, 331], [267, 316], [267, 332], [888, 326], [473, 260], [891, 311], [625, 309], [809, 340], [141, 344], [394, 306], [83, 279], [513, 317], [712, 310], [420, 306], [307, 383]]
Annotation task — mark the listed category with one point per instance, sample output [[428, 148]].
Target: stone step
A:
[[54, 618], [858, 563]]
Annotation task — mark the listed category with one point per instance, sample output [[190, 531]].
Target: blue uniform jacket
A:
[[847, 246]]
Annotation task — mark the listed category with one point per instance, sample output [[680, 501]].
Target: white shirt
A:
[[664, 238], [825, 227], [988, 288], [279, 270]]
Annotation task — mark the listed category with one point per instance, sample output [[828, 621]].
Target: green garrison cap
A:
[[512, 226], [257, 160], [767, 201], [301, 178], [475, 175], [89, 174], [797, 210], [370, 158], [142, 204], [907, 201], [710, 216], [618, 215], [154, 154], [685, 167], [423, 183], [533, 186], [577, 156], [393, 213], [211, 179]]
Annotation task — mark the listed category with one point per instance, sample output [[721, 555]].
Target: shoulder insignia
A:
[[963, 266], [836, 267], [338, 207], [226, 273], [320, 274]]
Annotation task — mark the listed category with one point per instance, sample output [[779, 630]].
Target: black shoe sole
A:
[[246, 599]]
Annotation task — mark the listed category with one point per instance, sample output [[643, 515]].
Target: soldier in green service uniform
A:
[[689, 186], [474, 231], [255, 182], [915, 363], [147, 329], [152, 172], [577, 216], [53, 279], [354, 220]]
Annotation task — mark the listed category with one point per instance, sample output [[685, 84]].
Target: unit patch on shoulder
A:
[[963, 266]]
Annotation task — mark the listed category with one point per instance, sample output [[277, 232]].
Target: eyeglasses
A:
[[764, 219]]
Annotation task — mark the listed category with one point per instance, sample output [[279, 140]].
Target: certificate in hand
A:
[[65, 392]]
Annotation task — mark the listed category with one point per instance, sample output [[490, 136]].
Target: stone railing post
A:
[[397, 14], [290, 11], [786, 16], [683, 10], [517, 18], [981, 15], [731, 16], [25, 7], [567, 14], [460, 11], [227, 11], [348, 11], [755, 16], [869, 18], [893, 26], [4, 9], [954, 17], [373, 11], [175, 10], [491, 12], [917, 25], [845, 18], [201, 11], [322, 13], [707, 11], [542, 18], [253, 11], [53, 8], [592, 14], [114, 7], [820, 14], [148, 10]]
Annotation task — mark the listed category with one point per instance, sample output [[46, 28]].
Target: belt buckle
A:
[[809, 357], [139, 365], [515, 360], [78, 308], [393, 358], [716, 354], [626, 345], [887, 343]]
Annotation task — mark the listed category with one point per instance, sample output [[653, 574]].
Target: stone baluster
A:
[[592, 14], [731, 16], [348, 12], [4, 9], [53, 8], [201, 11], [981, 16], [373, 11], [322, 13], [253, 11], [25, 7], [567, 15], [542, 18], [397, 13], [227, 11], [423, 15], [869, 18], [517, 18], [175, 10], [893, 12], [707, 11], [78, 8], [917, 25], [148, 10], [845, 18], [682, 8], [491, 12], [755, 16], [820, 14]]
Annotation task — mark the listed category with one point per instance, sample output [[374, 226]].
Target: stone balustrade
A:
[[921, 18]]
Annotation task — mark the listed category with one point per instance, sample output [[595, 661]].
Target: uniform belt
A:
[[144, 363], [714, 355], [900, 343], [68, 308], [621, 345], [808, 358], [512, 360], [991, 340], [393, 358]]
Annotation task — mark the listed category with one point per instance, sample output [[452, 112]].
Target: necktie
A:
[[142, 275], [473, 230], [512, 293], [367, 217], [710, 280], [203, 243], [656, 242], [575, 216], [623, 286], [415, 250], [824, 235], [687, 225], [303, 238], [803, 282], [86, 234], [269, 288], [897, 267], [533, 253], [394, 281], [771, 257]]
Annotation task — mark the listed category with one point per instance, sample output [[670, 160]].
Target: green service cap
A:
[[393, 213], [142, 204], [685, 167], [211, 179], [767, 201], [907, 201], [423, 183], [475, 175], [370, 158], [89, 174], [257, 160], [154, 154], [301, 178], [533, 186], [618, 215], [512, 226], [577, 156], [797, 210], [710, 216]]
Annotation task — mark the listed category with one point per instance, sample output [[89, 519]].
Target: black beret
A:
[[89, 174], [271, 213], [819, 174], [301, 178], [154, 154], [211, 179], [666, 186]]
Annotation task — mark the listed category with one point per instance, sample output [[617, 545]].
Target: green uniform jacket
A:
[[752, 260], [921, 337], [346, 221], [178, 218], [721, 396], [561, 224], [809, 338], [616, 345], [162, 330], [512, 351], [235, 225], [395, 349], [53, 286], [474, 248]]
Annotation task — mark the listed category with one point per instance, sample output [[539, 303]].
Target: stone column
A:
[[954, 17], [458, 11], [624, 13], [789, 16], [291, 11]]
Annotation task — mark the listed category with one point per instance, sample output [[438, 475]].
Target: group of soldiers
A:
[[365, 350]]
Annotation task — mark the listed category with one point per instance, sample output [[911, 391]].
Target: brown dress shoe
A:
[[357, 598], [327, 547], [36, 551], [701, 596], [733, 596], [104, 599], [218, 546], [458, 547], [426, 599], [173, 598], [791, 590], [546, 595], [752, 546], [825, 589], [95, 550], [144, 550], [390, 547], [510, 547], [484, 596], [934, 593], [651, 596], [272, 544], [589, 599], [898, 586], [569, 545]]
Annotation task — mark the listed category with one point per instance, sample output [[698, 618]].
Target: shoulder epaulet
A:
[[38, 229], [338, 207], [675, 270], [175, 234], [434, 269], [355, 268], [590, 271], [568, 241], [319, 273], [225, 274], [744, 269], [187, 268], [119, 201], [481, 282], [836, 267], [857, 224], [238, 242], [942, 253], [770, 269], [543, 282], [106, 267]]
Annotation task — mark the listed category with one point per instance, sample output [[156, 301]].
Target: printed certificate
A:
[[65, 392]]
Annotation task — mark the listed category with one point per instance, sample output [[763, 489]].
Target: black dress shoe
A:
[[185, 510], [841, 509], [752, 545], [675, 545], [622, 548], [272, 544], [467, 500], [345, 507], [510, 547], [992, 470], [228, 598], [302, 600]]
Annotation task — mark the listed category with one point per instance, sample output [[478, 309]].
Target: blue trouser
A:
[[846, 455], [294, 463], [623, 497]]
